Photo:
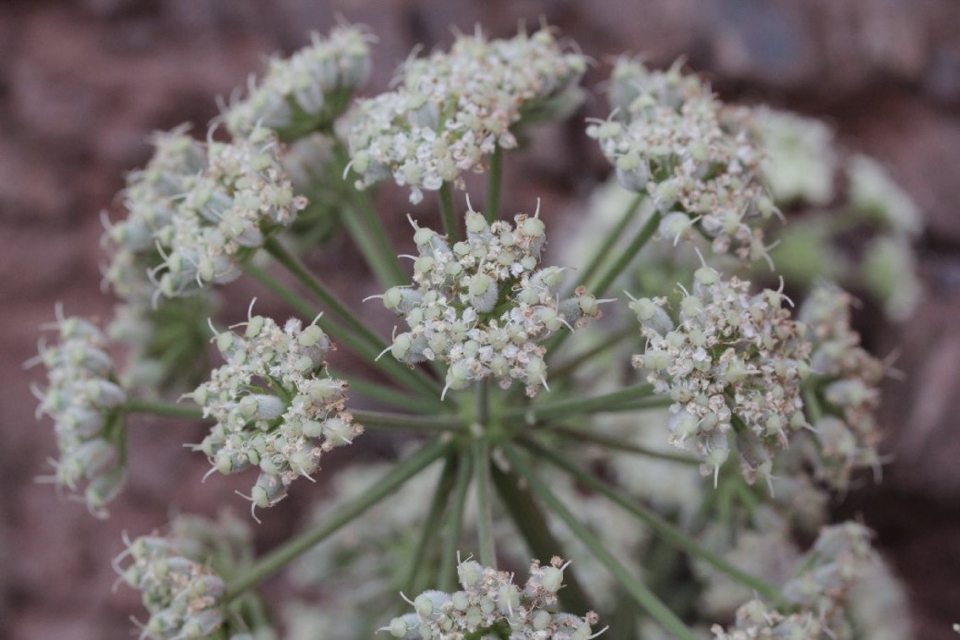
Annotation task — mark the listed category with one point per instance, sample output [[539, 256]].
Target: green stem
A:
[[481, 466], [166, 409], [364, 227], [382, 260], [315, 286], [391, 421], [643, 404], [610, 241], [811, 403], [669, 532], [279, 557], [431, 525], [448, 564], [494, 178], [627, 255], [748, 497], [636, 588], [623, 261], [449, 214], [594, 404], [563, 370], [618, 444], [393, 397], [270, 283], [415, 380], [481, 415], [532, 525]]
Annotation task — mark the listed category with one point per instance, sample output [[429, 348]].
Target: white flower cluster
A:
[[182, 595], [847, 433], [200, 206], [731, 356], [307, 91], [490, 605], [241, 196], [151, 198], [452, 109], [482, 306], [273, 406], [696, 158], [85, 403], [840, 558], [801, 161]]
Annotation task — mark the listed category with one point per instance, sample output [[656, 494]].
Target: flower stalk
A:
[[292, 549], [636, 588]]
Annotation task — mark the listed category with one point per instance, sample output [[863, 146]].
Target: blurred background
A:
[[83, 83]]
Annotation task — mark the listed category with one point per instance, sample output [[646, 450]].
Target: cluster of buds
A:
[[840, 558], [240, 197], [193, 210], [847, 432], [86, 404], [151, 198], [307, 91], [482, 306], [181, 594], [452, 109], [732, 360], [668, 137], [275, 408], [491, 605]]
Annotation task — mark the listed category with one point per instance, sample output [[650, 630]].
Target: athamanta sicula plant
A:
[[531, 420]]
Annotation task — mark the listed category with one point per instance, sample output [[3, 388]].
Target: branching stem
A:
[[669, 532], [166, 409], [494, 179], [594, 404], [451, 547], [635, 587], [282, 555], [448, 213]]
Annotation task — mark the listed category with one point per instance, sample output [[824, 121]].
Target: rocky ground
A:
[[82, 83]]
